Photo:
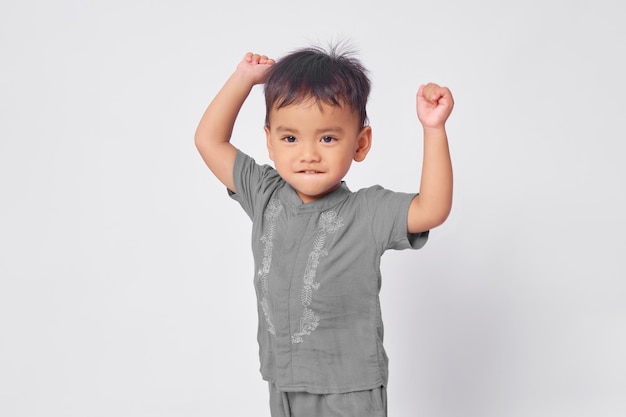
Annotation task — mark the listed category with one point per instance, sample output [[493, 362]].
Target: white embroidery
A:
[[271, 214], [329, 224]]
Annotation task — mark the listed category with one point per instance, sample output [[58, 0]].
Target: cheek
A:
[[344, 164], [280, 157], [275, 150]]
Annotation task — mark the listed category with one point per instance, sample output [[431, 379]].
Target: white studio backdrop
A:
[[125, 270]]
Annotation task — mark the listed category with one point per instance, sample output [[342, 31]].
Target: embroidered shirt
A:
[[317, 279]]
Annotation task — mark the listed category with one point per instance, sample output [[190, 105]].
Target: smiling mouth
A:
[[309, 172]]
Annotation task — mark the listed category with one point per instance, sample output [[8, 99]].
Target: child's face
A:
[[313, 145]]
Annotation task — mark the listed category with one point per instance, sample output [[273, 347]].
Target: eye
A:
[[289, 139], [328, 139]]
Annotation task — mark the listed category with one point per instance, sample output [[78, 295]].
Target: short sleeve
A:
[[253, 183], [388, 212]]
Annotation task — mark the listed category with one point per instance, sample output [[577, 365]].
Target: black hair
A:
[[332, 77]]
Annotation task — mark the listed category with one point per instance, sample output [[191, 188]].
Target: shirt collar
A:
[[289, 195]]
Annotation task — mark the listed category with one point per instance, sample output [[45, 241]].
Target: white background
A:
[[125, 270]]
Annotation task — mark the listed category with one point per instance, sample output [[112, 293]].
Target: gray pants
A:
[[371, 403]]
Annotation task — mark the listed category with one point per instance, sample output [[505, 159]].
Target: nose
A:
[[309, 152]]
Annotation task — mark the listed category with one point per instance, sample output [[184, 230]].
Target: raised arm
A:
[[213, 133], [432, 206]]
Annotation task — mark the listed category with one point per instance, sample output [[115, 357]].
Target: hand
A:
[[254, 67], [434, 105]]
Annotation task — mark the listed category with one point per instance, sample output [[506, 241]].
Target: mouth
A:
[[309, 172]]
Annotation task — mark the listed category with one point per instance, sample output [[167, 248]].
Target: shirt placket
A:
[[288, 305]]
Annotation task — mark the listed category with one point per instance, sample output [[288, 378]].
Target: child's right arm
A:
[[212, 136]]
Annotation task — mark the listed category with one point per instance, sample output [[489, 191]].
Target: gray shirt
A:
[[317, 279]]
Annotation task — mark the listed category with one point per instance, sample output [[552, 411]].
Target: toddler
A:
[[317, 245]]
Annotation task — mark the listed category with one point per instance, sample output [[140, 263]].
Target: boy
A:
[[316, 244]]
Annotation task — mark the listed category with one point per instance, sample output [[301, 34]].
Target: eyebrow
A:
[[331, 129]]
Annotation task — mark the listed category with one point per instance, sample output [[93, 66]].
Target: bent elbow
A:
[[428, 219]]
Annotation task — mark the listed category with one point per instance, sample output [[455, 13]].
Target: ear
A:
[[364, 143], [268, 143]]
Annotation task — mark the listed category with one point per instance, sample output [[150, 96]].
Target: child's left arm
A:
[[432, 206]]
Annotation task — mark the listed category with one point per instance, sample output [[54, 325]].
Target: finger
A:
[[447, 95], [433, 92], [248, 56], [444, 95]]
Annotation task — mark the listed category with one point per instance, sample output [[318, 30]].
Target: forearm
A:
[[214, 131], [216, 125], [435, 197]]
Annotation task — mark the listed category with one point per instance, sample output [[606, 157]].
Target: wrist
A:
[[242, 80], [248, 77], [434, 130]]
